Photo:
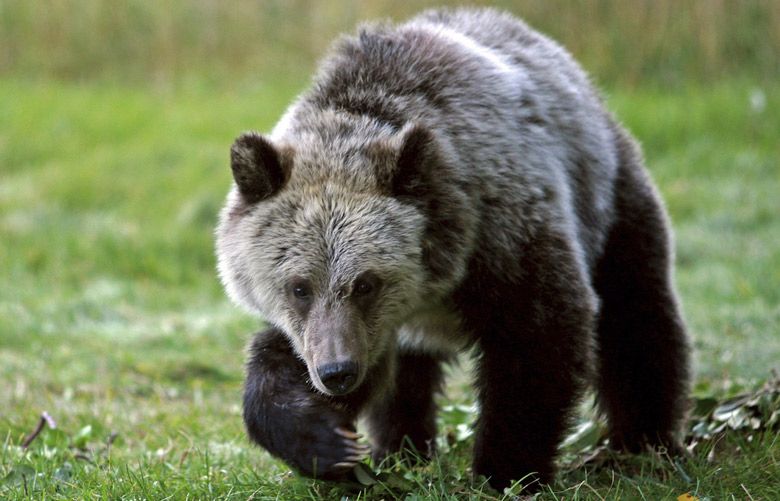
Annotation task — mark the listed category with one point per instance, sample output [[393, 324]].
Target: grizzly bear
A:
[[451, 183]]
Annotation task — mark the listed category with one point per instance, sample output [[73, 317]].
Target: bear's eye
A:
[[362, 288], [365, 285], [301, 289]]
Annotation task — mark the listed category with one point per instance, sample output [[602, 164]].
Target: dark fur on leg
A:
[[644, 353], [288, 417], [406, 417], [535, 336]]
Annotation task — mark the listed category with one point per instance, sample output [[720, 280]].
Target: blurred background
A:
[[116, 118], [627, 43]]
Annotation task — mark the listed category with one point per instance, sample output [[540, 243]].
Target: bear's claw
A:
[[344, 465], [348, 433]]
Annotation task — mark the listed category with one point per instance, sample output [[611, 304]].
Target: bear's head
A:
[[334, 240]]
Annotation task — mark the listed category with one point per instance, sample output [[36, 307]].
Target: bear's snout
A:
[[335, 349], [339, 378]]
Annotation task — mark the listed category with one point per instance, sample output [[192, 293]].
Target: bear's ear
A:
[[416, 161], [257, 167]]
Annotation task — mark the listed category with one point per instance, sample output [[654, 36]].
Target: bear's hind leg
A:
[[643, 349], [405, 418]]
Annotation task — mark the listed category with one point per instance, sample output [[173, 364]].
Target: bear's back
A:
[[557, 95]]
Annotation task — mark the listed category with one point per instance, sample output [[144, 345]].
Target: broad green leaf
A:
[[364, 475], [81, 438]]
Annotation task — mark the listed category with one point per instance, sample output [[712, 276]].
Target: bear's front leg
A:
[[310, 431], [535, 336], [405, 417]]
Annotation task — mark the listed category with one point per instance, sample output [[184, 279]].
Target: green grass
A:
[[112, 320]]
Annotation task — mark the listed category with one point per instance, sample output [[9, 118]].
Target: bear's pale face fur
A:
[[325, 237]]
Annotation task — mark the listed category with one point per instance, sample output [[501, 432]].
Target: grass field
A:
[[112, 319], [114, 141]]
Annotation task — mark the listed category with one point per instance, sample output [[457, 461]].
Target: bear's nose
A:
[[339, 377]]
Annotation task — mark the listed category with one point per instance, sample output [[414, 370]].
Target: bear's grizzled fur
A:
[[450, 182]]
